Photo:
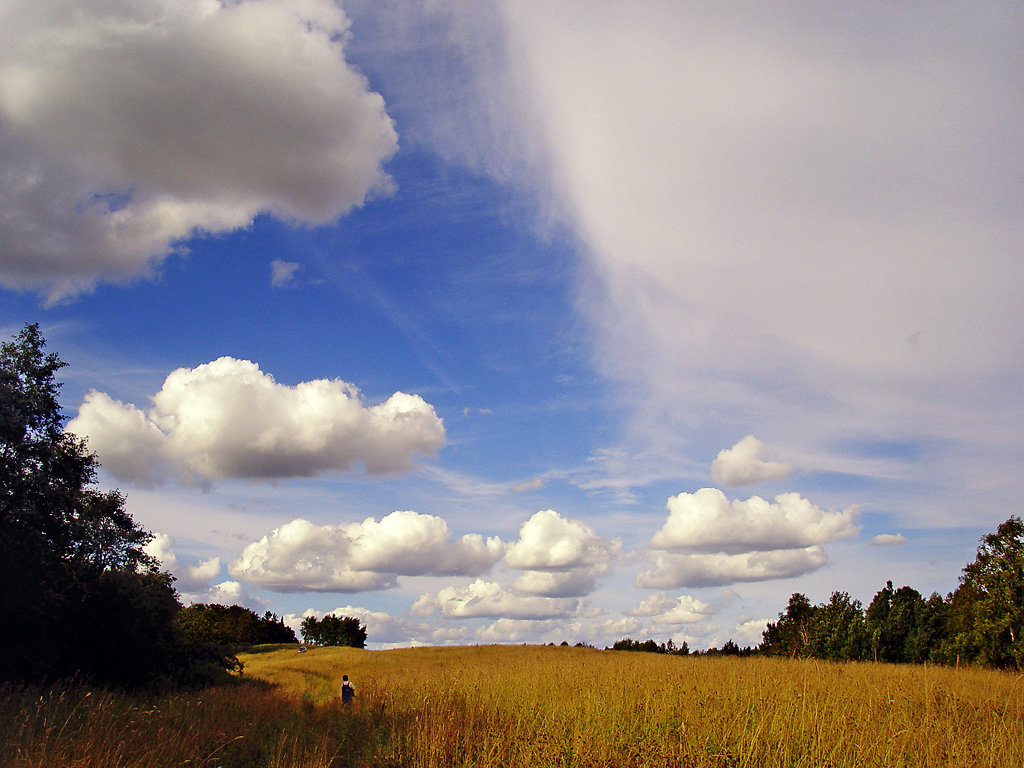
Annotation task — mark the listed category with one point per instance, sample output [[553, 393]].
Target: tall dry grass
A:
[[535, 706]]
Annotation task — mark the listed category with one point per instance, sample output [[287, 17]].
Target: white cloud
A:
[[194, 582], [746, 463], [229, 419], [548, 541], [516, 631], [672, 571], [283, 272], [750, 632], [366, 556], [708, 540], [227, 593], [127, 127], [706, 521], [793, 220], [488, 600], [385, 630], [888, 540], [530, 485], [188, 578], [665, 609], [561, 557], [576, 582]]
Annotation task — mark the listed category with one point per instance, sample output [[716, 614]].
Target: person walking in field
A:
[[347, 690]]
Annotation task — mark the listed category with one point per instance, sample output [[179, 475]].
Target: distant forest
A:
[[981, 622]]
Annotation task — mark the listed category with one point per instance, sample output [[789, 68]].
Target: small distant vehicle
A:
[[302, 649]]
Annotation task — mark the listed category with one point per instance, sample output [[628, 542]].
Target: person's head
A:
[[344, 678]]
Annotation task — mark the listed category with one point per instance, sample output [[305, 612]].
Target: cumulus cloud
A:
[[750, 632], [672, 571], [487, 599], [195, 581], [188, 578], [888, 540], [665, 609], [366, 556], [708, 540], [707, 522], [385, 630], [516, 631], [125, 128], [282, 272], [228, 419], [572, 583], [746, 463], [560, 557], [548, 541]]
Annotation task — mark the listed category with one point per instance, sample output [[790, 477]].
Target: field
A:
[[532, 707]]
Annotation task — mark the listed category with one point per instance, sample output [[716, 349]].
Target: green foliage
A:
[[791, 634], [78, 593], [982, 622], [986, 613], [649, 646], [837, 630], [333, 630], [892, 620], [232, 625], [925, 641]]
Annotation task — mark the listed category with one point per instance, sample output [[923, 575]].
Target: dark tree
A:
[[925, 642], [649, 646], [78, 594], [892, 620], [333, 630], [233, 625]]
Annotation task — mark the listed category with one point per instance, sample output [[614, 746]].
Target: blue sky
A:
[[524, 321]]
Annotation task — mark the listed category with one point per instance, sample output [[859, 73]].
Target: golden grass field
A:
[[532, 707]]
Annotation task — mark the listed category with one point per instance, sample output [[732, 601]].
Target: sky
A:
[[529, 321]]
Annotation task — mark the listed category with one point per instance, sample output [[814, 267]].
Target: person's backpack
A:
[[347, 692]]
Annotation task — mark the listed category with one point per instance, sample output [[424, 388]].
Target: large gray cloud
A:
[[127, 127], [799, 222], [227, 418]]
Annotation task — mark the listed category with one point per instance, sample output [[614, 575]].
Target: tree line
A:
[[981, 622], [233, 626]]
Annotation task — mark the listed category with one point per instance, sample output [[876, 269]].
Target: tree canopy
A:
[[333, 630], [78, 592], [981, 622], [233, 625]]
